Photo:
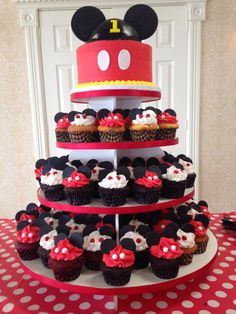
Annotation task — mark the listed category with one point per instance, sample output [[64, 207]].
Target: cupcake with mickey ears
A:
[[147, 185], [174, 180], [113, 187], [164, 221], [30, 214], [62, 124], [165, 253], [93, 237], [96, 167], [186, 240], [187, 163], [168, 159], [77, 185], [111, 126], [51, 179], [200, 224], [50, 219], [138, 235], [27, 242], [66, 257], [168, 124], [101, 220], [144, 125], [83, 128], [117, 261], [75, 224]]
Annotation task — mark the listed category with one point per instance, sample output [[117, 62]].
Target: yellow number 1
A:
[[114, 28]]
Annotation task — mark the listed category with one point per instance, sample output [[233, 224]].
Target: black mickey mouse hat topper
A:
[[89, 24]]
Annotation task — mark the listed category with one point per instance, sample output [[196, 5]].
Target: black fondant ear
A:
[[125, 162], [85, 20], [39, 222], [80, 219], [126, 113], [125, 229], [92, 163], [118, 110], [106, 165], [33, 212], [59, 237], [63, 219], [182, 210], [178, 165], [59, 116], [45, 208], [65, 159], [58, 214], [53, 160], [134, 112], [45, 229], [31, 206], [143, 230], [60, 165], [40, 162], [156, 110], [172, 226], [139, 172], [67, 172], [138, 162], [22, 224], [188, 228], [102, 113], [63, 229], [143, 18], [203, 203], [171, 112], [109, 219], [169, 158], [170, 232], [89, 112], [46, 168], [85, 170], [89, 229], [155, 169], [153, 161], [152, 238], [184, 219], [107, 245], [144, 217], [203, 218], [194, 206], [18, 214], [125, 171], [77, 163], [106, 230], [172, 216], [71, 115], [76, 239], [93, 219], [128, 244], [44, 215], [184, 158], [103, 173]]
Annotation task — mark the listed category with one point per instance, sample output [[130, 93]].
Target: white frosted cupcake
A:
[[189, 168]]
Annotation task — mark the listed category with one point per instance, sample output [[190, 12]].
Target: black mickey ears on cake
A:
[[123, 112], [106, 165], [103, 173], [203, 218], [109, 219], [89, 229], [85, 170], [143, 230], [169, 158], [163, 167], [143, 217], [171, 226], [203, 203], [184, 219], [46, 168], [92, 163], [171, 112], [106, 230], [107, 245], [76, 239], [44, 230], [184, 158], [139, 172], [125, 229], [182, 210], [77, 163], [188, 228], [138, 161], [124, 161], [80, 219], [170, 232], [93, 219], [133, 113], [67, 172], [63, 219], [194, 206], [22, 224], [65, 159], [123, 170], [178, 165], [63, 229], [30, 207], [152, 161], [72, 114], [155, 169], [102, 113], [90, 112], [128, 244], [18, 214], [152, 238], [156, 110], [59, 237], [59, 116], [173, 217], [40, 162]]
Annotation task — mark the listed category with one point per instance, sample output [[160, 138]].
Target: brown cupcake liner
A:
[[113, 197], [163, 268], [144, 195], [53, 192], [111, 136], [62, 136], [116, 276], [142, 136], [173, 189], [79, 196], [165, 134], [186, 258], [83, 137], [201, 247]]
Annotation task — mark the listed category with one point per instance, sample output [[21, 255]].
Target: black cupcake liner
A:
[[62, 136], [127, 136], [143, 195], [142, 136], [53, 192], [44, 256], [173, 189], [113, 197], [79, 196], [190, 180], [163, 268], [83, 137], [111, 136], [94, 187], [116, 276], [93, 259], [166, 134], [141, 259], [27, 251]]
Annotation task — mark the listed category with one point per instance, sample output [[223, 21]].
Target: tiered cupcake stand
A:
[[91, 282]]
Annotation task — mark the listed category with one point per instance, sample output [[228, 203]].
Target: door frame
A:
[[29, 11]]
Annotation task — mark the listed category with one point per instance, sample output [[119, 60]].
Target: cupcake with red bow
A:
[[93, 237], [117, 261], [165, 253], [62, 124], [111, 126], [144, 125], [186, 240], [83, 128], [168, 124], [27, 240], [147, 185], [66, 257], [187, 164], [77, 185], [200, 224]]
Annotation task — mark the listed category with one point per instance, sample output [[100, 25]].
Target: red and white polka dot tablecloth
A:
[[213, 292]]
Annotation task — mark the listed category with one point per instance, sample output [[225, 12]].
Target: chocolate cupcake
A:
[[117, 261], [61, 130], [187, 164]]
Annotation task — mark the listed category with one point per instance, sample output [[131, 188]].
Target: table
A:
[[213, 292]]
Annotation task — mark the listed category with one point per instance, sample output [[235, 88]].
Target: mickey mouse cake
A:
[[113, 61]]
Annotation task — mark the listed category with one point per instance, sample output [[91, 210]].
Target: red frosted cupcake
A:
[[66, 257], [168, 124], [117, 261], [61, 130], [27, 240]]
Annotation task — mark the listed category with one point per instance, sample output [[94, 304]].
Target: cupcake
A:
[[77, 185], [187, 164], [164, 221], [126, 162], [144, 125], [30, 214], [66, 257], [47, 235], [165, 253], [147, 185], [174, 179], [168, 124], [27, 240], [113, 188], [51, 180], [50, 219], [117, 261], [75, 224], [139, 238], [186, 240], [83, 127], [93, 237], [62, 124], [200, 224], [111, 126]]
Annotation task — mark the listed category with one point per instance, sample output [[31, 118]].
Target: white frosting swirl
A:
[[95, 244], [139, 240], [51, 222], [113, 181], [95, 172], [187, 239], [188, 166], [175, 174], [81, 119], [146, 117], [47, 240], [74, 227], [53, 177]]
